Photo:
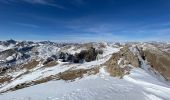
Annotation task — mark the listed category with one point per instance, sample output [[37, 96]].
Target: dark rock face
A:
[[84, 55], [25, 49], [63, 56], [70, 58], [49, 59], [6, 53], [25, 56], [87, 55], [8, 42]]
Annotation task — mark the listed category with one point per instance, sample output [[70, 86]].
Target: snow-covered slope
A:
[[138, 85], [86, 80], [39, 73]]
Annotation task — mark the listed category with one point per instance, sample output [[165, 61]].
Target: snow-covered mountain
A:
[[87, 71]]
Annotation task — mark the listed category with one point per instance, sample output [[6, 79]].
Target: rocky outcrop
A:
[[6, 53], [87, 55], [113, 67], [50, 61], [119, 63], [159, 61], [73, 74], [31, 64], [129, 56]]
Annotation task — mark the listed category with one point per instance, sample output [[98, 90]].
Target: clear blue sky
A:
[[85, 20]]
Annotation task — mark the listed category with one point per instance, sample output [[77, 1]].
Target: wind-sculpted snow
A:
[[137, 86], [66, 80]]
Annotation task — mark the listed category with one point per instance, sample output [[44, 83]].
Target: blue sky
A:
[[85, 20]]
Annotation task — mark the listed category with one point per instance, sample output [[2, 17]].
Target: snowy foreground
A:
[[139, 85], [143, 83]]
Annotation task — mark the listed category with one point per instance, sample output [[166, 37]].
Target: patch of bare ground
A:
[[31, 64], [87, 45], [160, 62], [119, 70], [5, 79], [112, 65], [101, 46], [9, 69], [78, 73], [129, 56], [50, 64]]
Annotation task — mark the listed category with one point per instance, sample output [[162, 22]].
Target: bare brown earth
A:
[[159, 61], [128, 58], [51, 64], [5, 79], [73, 74], [32, 64], [112, 65]]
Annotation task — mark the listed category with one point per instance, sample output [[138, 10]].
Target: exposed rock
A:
[[32, 64], [5, 79], [8, 42], [6, 53], [87, 55], [50, 64], [123, 68], [25, 49], [112, 65], [130, 57], [160, 62], [63, 56], [73, 74], [48, 60]]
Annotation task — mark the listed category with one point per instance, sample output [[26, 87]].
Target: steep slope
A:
[[158, 56], [122, 71]]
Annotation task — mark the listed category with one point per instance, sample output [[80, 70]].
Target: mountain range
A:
[[84, 71]]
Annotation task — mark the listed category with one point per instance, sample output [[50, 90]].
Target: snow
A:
[[102, 72], [89, 88], [17, 73], [137, 86], [36, 74], [140, 84], [145, 65], [9, 58], [73, 50], [46, 50], [151, 85], [2, 47], [110, 50], [39, 72], [119, 61]]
